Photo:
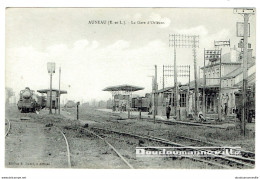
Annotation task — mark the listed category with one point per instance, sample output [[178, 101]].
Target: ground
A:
[[37, 142]]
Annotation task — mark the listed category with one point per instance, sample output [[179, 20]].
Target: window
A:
[[171, 101], [183, 100]]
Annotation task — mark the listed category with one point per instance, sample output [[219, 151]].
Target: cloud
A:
[[81, 44], [199, 30], [120, 44], [94, 44], [57, 50], [206, 39], [157, 17], [86, 66], [89, 67]]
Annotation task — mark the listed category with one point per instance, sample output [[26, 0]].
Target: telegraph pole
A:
[[213, 56], [175, 81], [188, 96], [50, 94], [245, 13], [204, 86], [183, 71], [245, 75], [153, 96], [195, 74], [156, 89], [163, 77], [59, 87], [51, 70], [155, 93], [177, 40], [220, 86], [217, 44]]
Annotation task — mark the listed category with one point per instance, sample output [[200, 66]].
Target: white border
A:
[[80, 173]]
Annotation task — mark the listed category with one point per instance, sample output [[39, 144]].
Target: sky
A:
[[95, 56]]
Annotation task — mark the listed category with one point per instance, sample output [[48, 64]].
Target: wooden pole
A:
[[195, 76], [50, 112], [176, 96], [245, 76], [219, 94], [204, 86], [59, 88]]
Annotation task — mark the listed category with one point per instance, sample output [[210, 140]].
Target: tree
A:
[[8, 93]]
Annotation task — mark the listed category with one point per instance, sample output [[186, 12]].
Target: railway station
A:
[[183, 100], [122, 96], [55, 97]]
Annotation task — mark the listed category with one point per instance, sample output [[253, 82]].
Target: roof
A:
[[199, 83], [250, 80], [237, 71], [223, 63], [185, 86], [46, 90], [123, 88], [181, 87], [165, 89]]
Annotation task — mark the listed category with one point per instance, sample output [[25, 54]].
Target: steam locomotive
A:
[[30, 102]]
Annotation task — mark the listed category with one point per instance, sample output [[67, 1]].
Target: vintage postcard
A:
[[130, 88]]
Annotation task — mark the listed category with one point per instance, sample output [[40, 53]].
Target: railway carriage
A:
[[141, 103]]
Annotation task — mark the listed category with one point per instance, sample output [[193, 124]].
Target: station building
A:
[[231, 82]]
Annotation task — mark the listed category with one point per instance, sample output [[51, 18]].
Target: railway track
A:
[[246, 160], [66, 141], [16, 121], [168, 122], [111, 146], [99, 137], [67, 146], [246, 155], [218, 160]]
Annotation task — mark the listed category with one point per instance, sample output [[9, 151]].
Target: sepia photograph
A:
[[130, 88]]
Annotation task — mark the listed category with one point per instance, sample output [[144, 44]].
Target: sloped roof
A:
[[123, 88], [181, 87], [46, 90], [199, 83], [223, 63], [237, 71], [250, 80], [165, 89]]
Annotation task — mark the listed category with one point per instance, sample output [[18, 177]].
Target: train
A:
[[120, 103], [250, 104], [142, 103], [30, 102]]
